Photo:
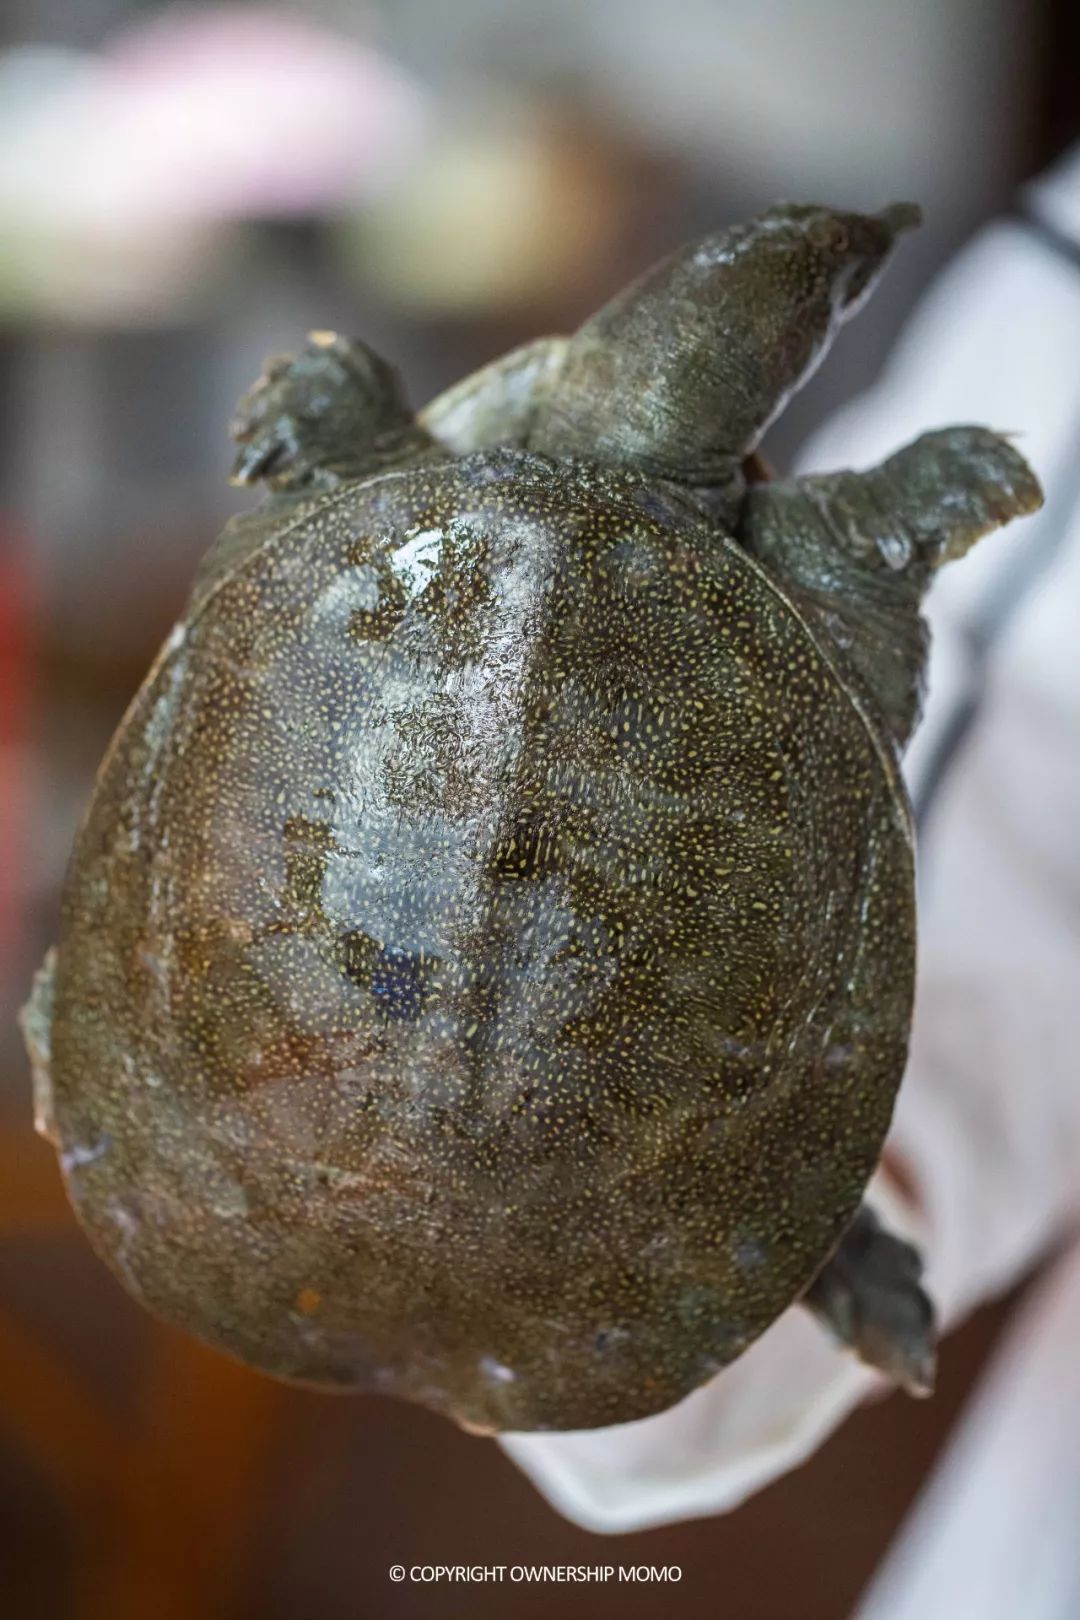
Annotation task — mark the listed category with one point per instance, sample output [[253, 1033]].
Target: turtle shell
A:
[[487, 961]]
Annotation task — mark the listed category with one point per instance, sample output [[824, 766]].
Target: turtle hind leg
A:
[[871, 1298]]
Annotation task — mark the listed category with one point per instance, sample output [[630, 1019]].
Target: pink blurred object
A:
[[206, 114]]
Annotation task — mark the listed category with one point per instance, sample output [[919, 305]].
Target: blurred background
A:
[[184, 190]]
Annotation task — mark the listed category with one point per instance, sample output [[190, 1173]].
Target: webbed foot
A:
[[870, 1296], [859, 548], [334, 411]]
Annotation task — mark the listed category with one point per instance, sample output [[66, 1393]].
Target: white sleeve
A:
[[988, 1125], [994, 1536]]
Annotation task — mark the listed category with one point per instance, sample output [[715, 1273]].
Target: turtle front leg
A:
[[871, 1298], [334, 411], [858, 549]]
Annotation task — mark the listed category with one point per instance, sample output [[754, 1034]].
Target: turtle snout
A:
[[865, 241]]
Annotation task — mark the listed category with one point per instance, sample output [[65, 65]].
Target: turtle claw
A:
[[334, 411], [255, 461], [871, 1298]]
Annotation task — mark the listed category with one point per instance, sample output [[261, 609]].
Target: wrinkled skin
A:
[[486, 965]]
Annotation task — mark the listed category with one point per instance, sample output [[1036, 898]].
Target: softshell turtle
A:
[[486, 964]]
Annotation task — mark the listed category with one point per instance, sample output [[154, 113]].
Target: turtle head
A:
[[682, 373], [838, 254], [334, 411]]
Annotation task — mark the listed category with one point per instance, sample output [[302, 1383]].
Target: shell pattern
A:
[[491, 901]]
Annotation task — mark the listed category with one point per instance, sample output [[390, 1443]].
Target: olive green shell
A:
[[487, 961]]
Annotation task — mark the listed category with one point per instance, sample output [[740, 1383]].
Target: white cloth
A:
[[995, 1536], [988, 1125]]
